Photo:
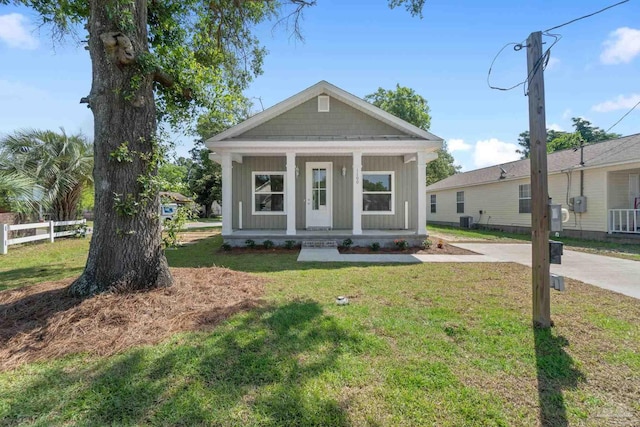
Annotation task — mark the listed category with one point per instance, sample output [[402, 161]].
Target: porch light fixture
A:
[[344, 171]]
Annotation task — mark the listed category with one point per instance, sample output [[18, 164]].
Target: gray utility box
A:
[[556, 282], [578, 204], [466, 222], [555, 252]]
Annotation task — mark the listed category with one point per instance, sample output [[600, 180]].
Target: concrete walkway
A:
[[332, 255], [615, 274]]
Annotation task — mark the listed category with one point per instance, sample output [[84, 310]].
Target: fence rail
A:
[[5, 229], [624, 221]]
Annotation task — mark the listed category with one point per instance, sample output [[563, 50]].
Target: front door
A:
[[319, 189]]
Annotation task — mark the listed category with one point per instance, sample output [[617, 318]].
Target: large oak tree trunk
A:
[[126, 249]]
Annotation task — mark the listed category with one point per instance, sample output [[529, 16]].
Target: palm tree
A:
[[59, 163]]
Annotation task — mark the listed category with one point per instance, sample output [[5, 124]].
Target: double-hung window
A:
[[268, 193], [378, 195], [524, 198], [433, 203], [460, 202]]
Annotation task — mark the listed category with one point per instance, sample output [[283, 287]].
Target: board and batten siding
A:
[[605, 188], [305, 120], [242, 191], [405, 188]]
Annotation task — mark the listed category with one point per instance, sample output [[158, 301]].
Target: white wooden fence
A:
[[624, 221], [51, 234]]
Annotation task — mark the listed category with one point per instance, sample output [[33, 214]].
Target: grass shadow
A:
[[556, 373], [18, 277], [254, 370]]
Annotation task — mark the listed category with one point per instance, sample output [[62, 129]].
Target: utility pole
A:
[[539, 185]]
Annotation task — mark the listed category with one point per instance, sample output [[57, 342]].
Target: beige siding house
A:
[[323, 165], [602, 194]]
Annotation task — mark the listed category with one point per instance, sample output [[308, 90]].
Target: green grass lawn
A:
[[426, 344], [614, 249]]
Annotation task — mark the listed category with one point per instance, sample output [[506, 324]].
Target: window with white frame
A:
[[524, 198], [460, 202], [268, 193], [433, 203], [378, 192]]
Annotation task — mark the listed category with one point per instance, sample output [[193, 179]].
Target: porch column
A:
[[290, 203], [357, 193], [227, 199], [421, 163]]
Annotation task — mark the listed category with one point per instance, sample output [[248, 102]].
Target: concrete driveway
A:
[[615, 274]]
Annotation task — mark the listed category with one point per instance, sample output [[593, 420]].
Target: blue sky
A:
[[360, 45]]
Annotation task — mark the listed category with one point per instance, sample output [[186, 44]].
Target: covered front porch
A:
[[623, 215]]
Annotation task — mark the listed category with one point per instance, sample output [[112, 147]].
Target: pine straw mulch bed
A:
[[42, 322]]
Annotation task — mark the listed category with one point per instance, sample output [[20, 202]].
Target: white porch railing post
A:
[[421, 163], [4, 239], [51, 233], [290, 194], [357, 193], [227, 201]]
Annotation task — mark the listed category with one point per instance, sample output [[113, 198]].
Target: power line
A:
[[586, 16], [625, 115]]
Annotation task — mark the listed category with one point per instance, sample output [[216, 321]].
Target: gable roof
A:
[[325, 88], [613, 151]]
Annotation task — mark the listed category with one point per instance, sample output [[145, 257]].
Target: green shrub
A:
[[251, 244], [347, 243], [226, 246], [401, 244], [289, 244], [375, 246], [426, 244], [268, 244]]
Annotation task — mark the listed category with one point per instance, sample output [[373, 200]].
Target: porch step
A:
[[309, 244]]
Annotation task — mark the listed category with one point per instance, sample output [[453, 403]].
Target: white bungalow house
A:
[[323, 165], [602, 194]]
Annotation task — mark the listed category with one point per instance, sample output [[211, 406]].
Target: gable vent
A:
[[323, 104]]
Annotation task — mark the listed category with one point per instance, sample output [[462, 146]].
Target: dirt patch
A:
[[446, 249], [42, 321]]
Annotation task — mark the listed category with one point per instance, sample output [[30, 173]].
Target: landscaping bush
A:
[[251, 244], [375, 246], [268, 244], [289, 244], [401, 244], [346, 243]]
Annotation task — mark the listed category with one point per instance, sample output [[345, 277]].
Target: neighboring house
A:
[[323, 165], [500, 196], [178, 198]]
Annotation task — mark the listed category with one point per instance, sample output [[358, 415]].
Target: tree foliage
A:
[[404, 103], [411, 107], [584, 132], [58, 164]]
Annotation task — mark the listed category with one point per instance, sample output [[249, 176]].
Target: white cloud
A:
[[556, 127], [622, 46], [566, 114], [14, 31], [458, 145], [492, 151], [619, 103]]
